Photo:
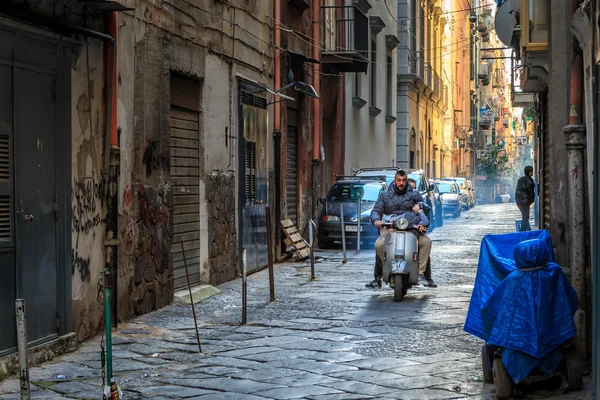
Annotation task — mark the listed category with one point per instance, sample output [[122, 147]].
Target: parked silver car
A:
[[450, 195], [466, 195]]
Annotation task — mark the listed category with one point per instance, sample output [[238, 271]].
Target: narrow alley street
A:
[[326, 339]]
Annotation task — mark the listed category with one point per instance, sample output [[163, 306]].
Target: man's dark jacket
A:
[[525, 193], [390, 202]]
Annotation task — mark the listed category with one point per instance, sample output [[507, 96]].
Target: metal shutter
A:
[[291, 174], [185, 178]]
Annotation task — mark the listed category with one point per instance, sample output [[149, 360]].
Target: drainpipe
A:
[[277, 116], [277, 62], [316, 29], [111, 158], [575, 140]]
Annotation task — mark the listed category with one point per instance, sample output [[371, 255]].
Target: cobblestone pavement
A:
[[327, 339]]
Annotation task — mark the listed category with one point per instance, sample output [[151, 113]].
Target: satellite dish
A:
[[505, 21]]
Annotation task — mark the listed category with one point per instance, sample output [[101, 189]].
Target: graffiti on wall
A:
[[153, 264], [154, 157], [87, 200]]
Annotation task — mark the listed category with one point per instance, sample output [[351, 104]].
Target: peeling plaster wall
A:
[[88, 204]]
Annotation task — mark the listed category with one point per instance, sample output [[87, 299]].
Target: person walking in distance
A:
[[524, 197]]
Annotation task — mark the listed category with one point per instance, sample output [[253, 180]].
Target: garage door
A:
[[186, 185]]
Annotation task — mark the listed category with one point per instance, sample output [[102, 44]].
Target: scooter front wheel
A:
[[399, 290]]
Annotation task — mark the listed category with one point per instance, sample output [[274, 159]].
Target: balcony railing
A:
[[346, 38]]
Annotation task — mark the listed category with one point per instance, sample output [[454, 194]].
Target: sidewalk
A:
[[325, 339]]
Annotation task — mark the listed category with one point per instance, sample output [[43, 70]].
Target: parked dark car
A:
[[427, 189], [347, 191]]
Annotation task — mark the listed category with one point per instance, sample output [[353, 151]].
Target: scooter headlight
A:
[[402, 224]]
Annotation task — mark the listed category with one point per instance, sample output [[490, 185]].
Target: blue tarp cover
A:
[[528, 313]]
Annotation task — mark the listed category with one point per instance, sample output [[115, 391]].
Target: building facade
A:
[[370, 134], [164, 146], [423, 91]]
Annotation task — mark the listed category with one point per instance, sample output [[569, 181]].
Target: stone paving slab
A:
[[298, 392], [383, 363]]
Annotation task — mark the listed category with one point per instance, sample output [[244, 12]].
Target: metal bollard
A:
[[343, 233], [270, 257], [244, 287], [358, 226], [312, 232], [22, 346]]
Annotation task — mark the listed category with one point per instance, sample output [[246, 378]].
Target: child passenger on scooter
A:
[[416, 217]]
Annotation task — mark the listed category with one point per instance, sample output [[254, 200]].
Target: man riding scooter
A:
[[399, 199]]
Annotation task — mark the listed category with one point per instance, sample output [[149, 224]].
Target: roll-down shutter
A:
[[186, 186]]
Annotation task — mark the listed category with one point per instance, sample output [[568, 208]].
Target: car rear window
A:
[[352, 192]]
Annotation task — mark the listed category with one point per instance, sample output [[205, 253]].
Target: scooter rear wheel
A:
[[399, 290], [488, 377], [573, 369], [502, 382]]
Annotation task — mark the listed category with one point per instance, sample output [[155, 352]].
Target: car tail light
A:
[[330, 218], [415, 256]]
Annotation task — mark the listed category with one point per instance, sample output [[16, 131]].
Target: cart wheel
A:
[[574, 373], [488, 377], [399, 291], [502, 382]]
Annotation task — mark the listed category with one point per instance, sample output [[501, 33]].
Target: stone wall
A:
[[153, 264], [220, 190]]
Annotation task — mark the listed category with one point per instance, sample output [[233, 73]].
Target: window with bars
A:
[[250, 171], [389, 91], [373, 93]]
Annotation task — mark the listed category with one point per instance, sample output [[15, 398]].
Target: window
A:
[[373, 98], [534, 23], [389, 82], [357, 83], [413, 36], [330, 22], [421, 55]]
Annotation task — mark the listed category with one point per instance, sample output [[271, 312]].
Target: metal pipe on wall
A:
[[111, 157], [316, 27], [277, 64]]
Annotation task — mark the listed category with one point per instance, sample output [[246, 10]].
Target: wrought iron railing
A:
[[345, 30]]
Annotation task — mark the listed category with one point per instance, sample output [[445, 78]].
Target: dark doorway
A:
[[34, 107]]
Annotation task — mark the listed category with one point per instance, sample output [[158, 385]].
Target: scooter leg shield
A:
[[389, 245], [412, 247]]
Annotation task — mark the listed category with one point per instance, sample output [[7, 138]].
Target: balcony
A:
[[475, 141], [485, 122], [346, 39]]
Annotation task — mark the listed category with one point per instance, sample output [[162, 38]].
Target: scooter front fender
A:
[[400, 255]]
